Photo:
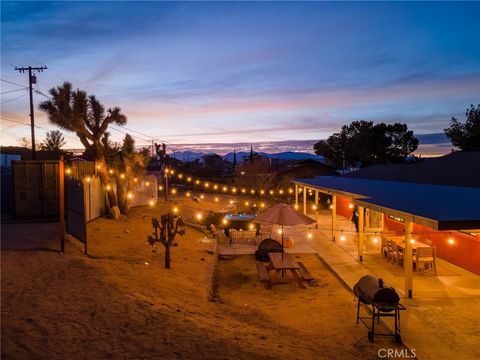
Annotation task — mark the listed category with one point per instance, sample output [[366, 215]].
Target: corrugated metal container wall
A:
[[36, 188]]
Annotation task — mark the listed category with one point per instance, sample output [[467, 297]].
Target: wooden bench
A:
[[263, 273], [304, 272]]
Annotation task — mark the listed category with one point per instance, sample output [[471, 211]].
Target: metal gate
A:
[[75, 210]]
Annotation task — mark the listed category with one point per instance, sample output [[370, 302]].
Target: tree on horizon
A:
[[54, 141], [366, 143], [466, 136]]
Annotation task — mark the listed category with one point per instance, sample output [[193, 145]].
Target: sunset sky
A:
[[226, 72]]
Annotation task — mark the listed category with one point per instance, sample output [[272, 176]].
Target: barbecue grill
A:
[[265, 247], [384, 302]]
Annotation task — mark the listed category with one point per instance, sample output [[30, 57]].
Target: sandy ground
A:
[[120, 303]]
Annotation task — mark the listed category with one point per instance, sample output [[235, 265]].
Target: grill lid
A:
[[369, 289]]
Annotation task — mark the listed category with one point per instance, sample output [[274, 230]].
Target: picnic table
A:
[[279, 269]]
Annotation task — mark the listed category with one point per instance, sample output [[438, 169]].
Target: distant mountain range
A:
[[241, 155]]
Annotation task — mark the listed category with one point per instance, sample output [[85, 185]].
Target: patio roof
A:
[[440, 207]]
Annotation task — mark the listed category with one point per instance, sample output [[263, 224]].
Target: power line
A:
[[10, 82], [15, 98], [8, 92]]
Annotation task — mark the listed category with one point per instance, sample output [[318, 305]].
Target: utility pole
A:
[[32, 79]]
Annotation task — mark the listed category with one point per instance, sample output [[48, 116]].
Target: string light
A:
[[68, 170], [187, 194], [375, 240], [314, 207], [172, 172], [290, 190], [350, 206], [189, 179], [451, 241], [247, 203], [207, 185], [295, 206], [197, 182], [108, 187], [225, 221], [244, 191], [130, 195], [136, 180], [160, 187], [252, 191], [271, 192], [224, 189], [110, 171], [280, 191], [251, 226], [151, 203], [215, 186], [122, 176], [216, 199], [202, 196], [309, 235], [231, 202], [262, 205], [199, 216], [279, 231], [98, 166], [331, 207], [234, 190], [175, 210], [262, 192], [180, 176], [174, 191], [88, 179], [147, 184], [412, 241]]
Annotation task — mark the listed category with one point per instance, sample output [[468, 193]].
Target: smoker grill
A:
[[265, 247], [384, 302]]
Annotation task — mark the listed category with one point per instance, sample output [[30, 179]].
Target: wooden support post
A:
[[361, 232], [296, 194], [334, 215], [304, 200], [407, 259], [316, 209], [316, 198], [61, 179]]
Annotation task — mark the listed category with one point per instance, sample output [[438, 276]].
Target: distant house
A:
[[309, 168], [461, 168]]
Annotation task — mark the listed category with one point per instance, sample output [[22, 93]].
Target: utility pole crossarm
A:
[[31, 80]]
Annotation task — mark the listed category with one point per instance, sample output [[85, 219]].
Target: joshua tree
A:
[[74, 110], [165, 231]]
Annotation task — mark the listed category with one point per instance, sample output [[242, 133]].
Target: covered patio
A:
[[446, 217]]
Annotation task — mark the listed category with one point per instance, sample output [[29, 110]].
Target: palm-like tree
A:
[[74, 110]]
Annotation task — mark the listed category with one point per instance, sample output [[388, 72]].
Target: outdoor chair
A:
[[385, 248], [242, 236], [265, 232], [397, 253], [425, 256]]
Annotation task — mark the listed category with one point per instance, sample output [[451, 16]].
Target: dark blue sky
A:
[[228, 72]]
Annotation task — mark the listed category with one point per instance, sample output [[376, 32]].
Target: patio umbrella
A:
[[284, 215]]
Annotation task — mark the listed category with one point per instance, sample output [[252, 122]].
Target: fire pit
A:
[[384, 302]]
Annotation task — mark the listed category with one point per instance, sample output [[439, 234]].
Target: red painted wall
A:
[[464, 252], [342, 206]]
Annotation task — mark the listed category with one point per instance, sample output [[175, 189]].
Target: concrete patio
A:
[[442, 318]]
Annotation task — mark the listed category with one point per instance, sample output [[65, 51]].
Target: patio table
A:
[[281, 265]]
